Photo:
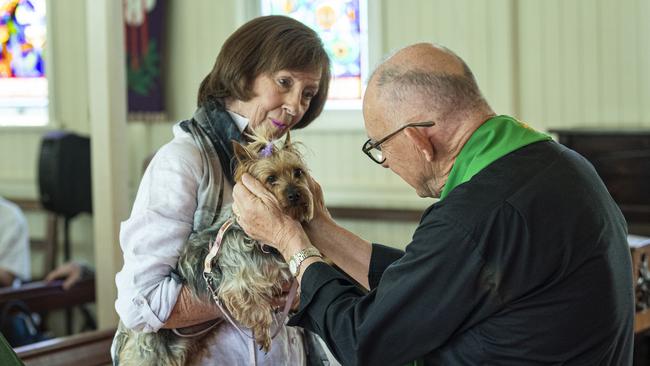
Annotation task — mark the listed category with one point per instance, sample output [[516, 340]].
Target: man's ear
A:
[[241, 153], [421, 141]]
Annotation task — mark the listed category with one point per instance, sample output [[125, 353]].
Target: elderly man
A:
[[522, 261]]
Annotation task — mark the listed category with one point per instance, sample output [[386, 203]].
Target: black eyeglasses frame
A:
[[369, 145]]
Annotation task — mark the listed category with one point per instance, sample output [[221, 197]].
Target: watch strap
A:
[[300, 257]]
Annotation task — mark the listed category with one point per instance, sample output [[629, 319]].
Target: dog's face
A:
[[281, 170]]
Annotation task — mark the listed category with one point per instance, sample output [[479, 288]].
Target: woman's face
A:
[[281, 99]]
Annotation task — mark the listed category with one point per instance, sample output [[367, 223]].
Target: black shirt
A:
[[525, 264]]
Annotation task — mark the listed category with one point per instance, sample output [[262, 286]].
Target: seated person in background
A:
[[15, 323], [14, 245]]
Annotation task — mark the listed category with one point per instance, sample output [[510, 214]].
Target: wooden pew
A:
[[87, 349], [43, 297]]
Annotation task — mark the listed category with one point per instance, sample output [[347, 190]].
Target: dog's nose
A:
[[293, 195]]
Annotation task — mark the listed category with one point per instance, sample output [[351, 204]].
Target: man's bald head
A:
[[423, 83], [427, 56], [429, 77]]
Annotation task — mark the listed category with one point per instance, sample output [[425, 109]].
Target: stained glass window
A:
[[23, 86], [341, 24]]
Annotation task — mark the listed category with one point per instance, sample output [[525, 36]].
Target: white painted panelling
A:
[[70, 63], [530, 62], [584, 63], [199, 29], [18, 162], [394, 234], [629, 80], [610, 72], [643, 45], [589, 62], [570, 75], [478, 31]]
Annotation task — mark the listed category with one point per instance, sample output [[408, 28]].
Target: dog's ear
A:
[[241, 153], [287, 142], [263, 132]]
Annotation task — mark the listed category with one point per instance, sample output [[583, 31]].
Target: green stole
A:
[[7, 355], [495, 138]]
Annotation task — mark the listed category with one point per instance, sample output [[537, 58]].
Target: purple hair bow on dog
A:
[[267, 150]]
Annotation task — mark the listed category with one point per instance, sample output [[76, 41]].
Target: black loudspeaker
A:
[[64, 173]]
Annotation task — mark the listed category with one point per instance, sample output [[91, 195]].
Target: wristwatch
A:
[[296, 260]]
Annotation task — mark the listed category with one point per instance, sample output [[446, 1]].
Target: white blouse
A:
[[152, 239]]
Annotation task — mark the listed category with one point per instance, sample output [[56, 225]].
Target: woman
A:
[[273, 70]]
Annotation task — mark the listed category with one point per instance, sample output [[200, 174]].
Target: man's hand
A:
[[258, 212], [321, 214]]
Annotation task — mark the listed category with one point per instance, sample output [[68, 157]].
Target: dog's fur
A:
[[248, 278]]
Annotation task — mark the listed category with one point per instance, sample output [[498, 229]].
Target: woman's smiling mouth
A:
[[278, 124]]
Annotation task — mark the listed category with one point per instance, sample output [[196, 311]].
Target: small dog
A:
[[246, 277]]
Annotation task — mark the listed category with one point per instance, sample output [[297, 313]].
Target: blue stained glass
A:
[[22, 38], [23, 86]]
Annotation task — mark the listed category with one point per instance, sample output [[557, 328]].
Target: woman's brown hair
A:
[[266, 45]]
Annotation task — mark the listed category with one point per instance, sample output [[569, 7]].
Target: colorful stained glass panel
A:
[[340, 26], [23, 87]]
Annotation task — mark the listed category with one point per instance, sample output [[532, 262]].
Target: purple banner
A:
[[144, 42]]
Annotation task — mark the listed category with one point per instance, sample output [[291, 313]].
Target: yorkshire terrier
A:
[[245, 276]]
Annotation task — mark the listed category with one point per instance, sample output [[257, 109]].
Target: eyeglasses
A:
[[373, 149]]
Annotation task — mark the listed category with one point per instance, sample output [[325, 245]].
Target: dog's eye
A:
[[297, 173], [271, 179]]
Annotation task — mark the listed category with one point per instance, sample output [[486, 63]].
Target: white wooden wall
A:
[[585, 62]]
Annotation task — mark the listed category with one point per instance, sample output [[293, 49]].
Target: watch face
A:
[[292, 267]]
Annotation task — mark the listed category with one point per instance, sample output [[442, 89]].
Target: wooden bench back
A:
[[41, 296], [88, 349]]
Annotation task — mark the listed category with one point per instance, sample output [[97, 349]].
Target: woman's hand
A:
[[259, 213]]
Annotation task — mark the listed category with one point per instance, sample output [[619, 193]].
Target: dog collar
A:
[[215, 246]]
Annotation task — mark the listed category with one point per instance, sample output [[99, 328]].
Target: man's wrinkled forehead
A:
[[371, 116], [372, 111]]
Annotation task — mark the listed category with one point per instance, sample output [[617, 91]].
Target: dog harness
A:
[[207, 268]]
